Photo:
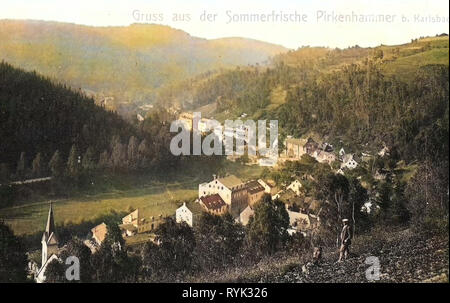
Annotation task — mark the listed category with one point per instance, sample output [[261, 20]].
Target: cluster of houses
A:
[[219, 196], [230, 194], [323, 153], [240, 132], [295, 148]]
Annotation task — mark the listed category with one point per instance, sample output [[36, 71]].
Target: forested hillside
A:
[[126, 63], [41, 121], [360, 98]]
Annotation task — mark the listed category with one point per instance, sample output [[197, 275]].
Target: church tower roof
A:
[[50, 229]]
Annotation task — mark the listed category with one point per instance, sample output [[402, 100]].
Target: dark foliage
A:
[[13, 261]]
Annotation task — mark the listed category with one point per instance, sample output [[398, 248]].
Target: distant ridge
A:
[[127, 62]]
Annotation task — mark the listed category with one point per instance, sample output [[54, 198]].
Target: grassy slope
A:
[[411, 56]]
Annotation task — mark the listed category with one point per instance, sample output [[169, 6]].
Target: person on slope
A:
[[346, 237]]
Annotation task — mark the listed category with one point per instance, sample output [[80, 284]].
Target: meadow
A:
[[152, 199]]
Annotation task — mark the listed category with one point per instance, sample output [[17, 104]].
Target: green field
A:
[[153, 199], [405, 66], [433, 50]]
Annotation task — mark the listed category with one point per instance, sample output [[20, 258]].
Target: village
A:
[[294, 148], [221, 195]]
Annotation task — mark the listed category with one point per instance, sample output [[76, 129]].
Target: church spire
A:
[[50, 227], [50, 221]]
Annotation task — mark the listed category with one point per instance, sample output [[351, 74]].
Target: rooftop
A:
[[194, 207], [230, 181], [100, 231], [245, 215], [213, 202], [296, 141], [254, 187]]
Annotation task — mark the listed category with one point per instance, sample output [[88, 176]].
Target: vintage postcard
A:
[[289, 141]]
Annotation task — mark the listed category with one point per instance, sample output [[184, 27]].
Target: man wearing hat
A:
[[346, 237]]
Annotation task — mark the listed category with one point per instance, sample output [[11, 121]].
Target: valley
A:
[[87, 168]]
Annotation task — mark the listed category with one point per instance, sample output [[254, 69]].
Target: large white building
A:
[[231, 189]]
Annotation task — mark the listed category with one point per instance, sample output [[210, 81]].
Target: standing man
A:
[[346, 237]]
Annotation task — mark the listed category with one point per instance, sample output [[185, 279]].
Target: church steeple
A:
[[50, 229], [49, 239]]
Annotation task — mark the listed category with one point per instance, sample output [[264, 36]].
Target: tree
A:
[[357, 198], [88, 162], [114, 237], [428, 199], [73, 162], [378, 54], [267, 229], [400, 214], [21, 166], [104, 161], [108, 262], [132, 152], [13, 260], [333, 190], [38, 166], [219, 239], [55, 272], [143, 154], [4, 172], [56, 165], [75, 117], [76, 247], [391, 199], [176, 246], [153, 268], [119, 155]]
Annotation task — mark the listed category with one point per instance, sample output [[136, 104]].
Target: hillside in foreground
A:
[[403, 255]]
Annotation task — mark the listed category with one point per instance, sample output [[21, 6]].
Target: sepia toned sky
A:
[[317, 23]]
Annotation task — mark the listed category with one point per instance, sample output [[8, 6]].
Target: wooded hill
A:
[[358, 98], [127, 63], [39, 117]]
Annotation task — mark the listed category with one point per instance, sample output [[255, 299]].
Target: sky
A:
[[331, 23]]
